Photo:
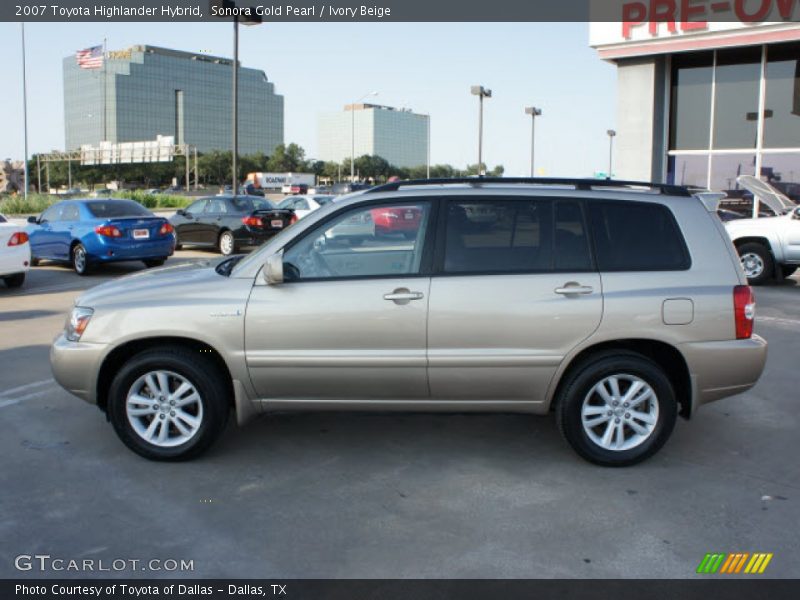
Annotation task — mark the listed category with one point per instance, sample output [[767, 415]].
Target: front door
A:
[[791, 237], [42, 236], [349, 321], [188, 226], [517, 291]]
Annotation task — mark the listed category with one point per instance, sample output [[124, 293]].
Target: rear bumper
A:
[[75, 366], [15, 259], [721, 369], [108, 251]]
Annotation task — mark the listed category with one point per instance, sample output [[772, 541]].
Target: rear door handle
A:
[[572, 288], [403, 296]]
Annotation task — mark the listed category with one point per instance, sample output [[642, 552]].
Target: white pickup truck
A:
[[769, 247]]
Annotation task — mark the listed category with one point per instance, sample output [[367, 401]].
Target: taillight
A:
[[294, 219], [18, 239], [108, 231], [744, 311], [166, 229], [252, 221]]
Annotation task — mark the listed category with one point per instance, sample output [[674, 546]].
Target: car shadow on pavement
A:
[[19, 315]]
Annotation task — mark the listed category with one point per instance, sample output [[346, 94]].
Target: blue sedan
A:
[[85, 233]]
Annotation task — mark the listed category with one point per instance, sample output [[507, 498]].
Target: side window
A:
[[300, 204], [372, 241], [217, 206], [637, 236], [51, 214], [498, 236], [571, 241], [196, 208], [70, 213]]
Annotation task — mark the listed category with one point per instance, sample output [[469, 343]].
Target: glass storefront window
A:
[[736, 98], [782, 109], [688, 170], [691, 101], [782, 171], [725, 168]]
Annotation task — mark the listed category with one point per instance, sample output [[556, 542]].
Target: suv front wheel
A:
[[617, 409], [169, 404]]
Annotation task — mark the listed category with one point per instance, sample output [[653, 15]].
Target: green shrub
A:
[[36, 203]]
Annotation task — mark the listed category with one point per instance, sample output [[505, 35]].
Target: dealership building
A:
[[144, 92], [702, 103], [399, 136]]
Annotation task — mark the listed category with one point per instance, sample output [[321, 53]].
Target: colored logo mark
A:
[[734, 562]]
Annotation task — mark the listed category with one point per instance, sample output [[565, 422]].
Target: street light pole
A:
[[611, 133], [428, 158], [533, 112], [481, 92], [25, 112], [353, 134], [235, 152]]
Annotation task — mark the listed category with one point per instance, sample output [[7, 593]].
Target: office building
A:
[[145, 91], [398, 135]]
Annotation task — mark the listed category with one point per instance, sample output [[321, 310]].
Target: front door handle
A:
[[403, 296], [573, 288]]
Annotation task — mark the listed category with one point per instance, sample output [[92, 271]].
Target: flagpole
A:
[[25, 110], [105, 93]]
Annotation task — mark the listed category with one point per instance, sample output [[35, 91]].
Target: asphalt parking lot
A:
[[360, 495]]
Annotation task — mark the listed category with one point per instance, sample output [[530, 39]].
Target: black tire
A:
[[15, 280], [201, 371], [82, 266], [787, 271], [226, 244], [577, 387], [759, 253], [154, 263]]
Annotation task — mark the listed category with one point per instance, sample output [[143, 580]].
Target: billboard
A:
[[162, 149]]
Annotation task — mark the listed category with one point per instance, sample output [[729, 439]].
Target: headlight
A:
[[78, 320]]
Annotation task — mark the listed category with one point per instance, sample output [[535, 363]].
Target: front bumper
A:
[[75, 366], [721, 369]]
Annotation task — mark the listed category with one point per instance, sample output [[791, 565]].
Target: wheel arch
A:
[[117, 357], [773, 249], [665, 355]]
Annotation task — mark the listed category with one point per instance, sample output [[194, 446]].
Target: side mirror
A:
[[796, 214], [33, 220], [180, 212], [273, 269]]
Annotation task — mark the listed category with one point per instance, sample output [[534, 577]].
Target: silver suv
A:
[[616, 306]]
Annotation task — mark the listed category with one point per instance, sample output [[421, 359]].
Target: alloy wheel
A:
[[164, 408], [752, 264], [619, 412]]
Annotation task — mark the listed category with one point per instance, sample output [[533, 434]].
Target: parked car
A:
[[617, 309], [294, 188], [769, 247], [403, 221], [339, 189], [15, 253], [229, 223], [89, 232], [302, 205], [102, 193]]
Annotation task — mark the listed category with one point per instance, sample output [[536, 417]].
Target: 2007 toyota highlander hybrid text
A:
[[616, 306]]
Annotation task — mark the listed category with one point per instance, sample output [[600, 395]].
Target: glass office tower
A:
[[145, 91]]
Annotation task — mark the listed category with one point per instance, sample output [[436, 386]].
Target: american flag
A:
[[90, 58]]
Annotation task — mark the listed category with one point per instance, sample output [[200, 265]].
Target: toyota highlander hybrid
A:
[[616, 306]]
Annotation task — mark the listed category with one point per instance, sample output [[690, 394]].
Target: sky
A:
[[320, 67]]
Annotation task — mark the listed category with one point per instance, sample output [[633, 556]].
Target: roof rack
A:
[[579, 184]]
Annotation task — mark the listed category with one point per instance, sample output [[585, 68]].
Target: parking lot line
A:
[[778, 321], [27, 386]]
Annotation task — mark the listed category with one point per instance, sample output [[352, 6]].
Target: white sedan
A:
[[305, 204], [15, 253]]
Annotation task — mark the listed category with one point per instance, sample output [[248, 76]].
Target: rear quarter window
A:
[[637, 236]]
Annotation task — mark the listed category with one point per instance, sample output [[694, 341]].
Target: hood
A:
[[766, 193], [153, 284]]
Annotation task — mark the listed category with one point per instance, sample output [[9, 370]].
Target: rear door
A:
[[514, 290], [64, 230]]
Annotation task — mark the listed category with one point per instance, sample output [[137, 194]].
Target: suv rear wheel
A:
[[169, 404], [617, 409]]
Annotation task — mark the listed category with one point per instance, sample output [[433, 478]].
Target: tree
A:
[[287, 159]]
